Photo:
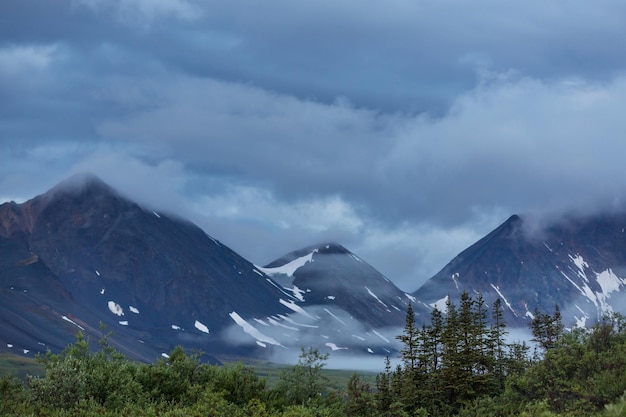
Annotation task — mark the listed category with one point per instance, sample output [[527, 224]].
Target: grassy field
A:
[[19, 366], [11, 364], [338, 378]]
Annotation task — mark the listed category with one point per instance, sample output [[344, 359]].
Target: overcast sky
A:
[[404, 130]]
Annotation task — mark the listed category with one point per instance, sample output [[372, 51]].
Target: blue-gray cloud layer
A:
[[405, 130]]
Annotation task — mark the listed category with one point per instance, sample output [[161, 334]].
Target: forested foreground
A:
[[460, 364]]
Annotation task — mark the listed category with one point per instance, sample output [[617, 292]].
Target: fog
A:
[[350, 343]]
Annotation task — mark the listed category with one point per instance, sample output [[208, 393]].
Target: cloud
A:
[[17, 59], [547, 143], [256, 166], [397, 129], [145, 12], [317, 215], [294, 331], [412, 252], [411, 57]]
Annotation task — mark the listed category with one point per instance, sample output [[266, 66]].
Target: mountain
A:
[[81, 254], [345, 296], [577, 263]]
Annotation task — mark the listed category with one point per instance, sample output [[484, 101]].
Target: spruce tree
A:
[[546, 328], [383, 389], [497, 336], [450, 376], [434, 341], [410, 340], [482, 353], [433, 350], [468, 349]]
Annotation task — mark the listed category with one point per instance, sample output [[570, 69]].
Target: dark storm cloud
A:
[[405, 130]]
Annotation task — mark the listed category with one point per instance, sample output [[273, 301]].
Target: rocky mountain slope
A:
[[81, 254], [578, 263]]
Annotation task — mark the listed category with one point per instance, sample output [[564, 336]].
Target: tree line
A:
[[462, 364], [459, 364]]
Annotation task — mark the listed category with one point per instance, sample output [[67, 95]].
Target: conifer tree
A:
[[360, 401], [497, 336], [546, 328], [434, 341], [383, 389], [433, 350], [483, 377], [450, 376], [410, 340]]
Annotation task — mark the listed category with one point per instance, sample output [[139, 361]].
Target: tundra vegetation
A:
[[458, 365]]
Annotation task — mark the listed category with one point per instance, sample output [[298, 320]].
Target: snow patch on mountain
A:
[[440, 304], [528, 313], [73, 322], [581, 265], [609, 282], [497, 289], [115, 308], [290, 268], [334, 347], [582, 320], [586, 292], [296, 323], [291, 305], [203, 328], [282, 290], [297, 292], [381, 336], [261, 339], [275, 322], [375, 296], [454, 277], [335, 317], [606, 280], [261, 322]]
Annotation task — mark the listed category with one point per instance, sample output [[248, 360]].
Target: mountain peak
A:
[[331, 247], [79, 190], [80, 183], [327, 248]]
